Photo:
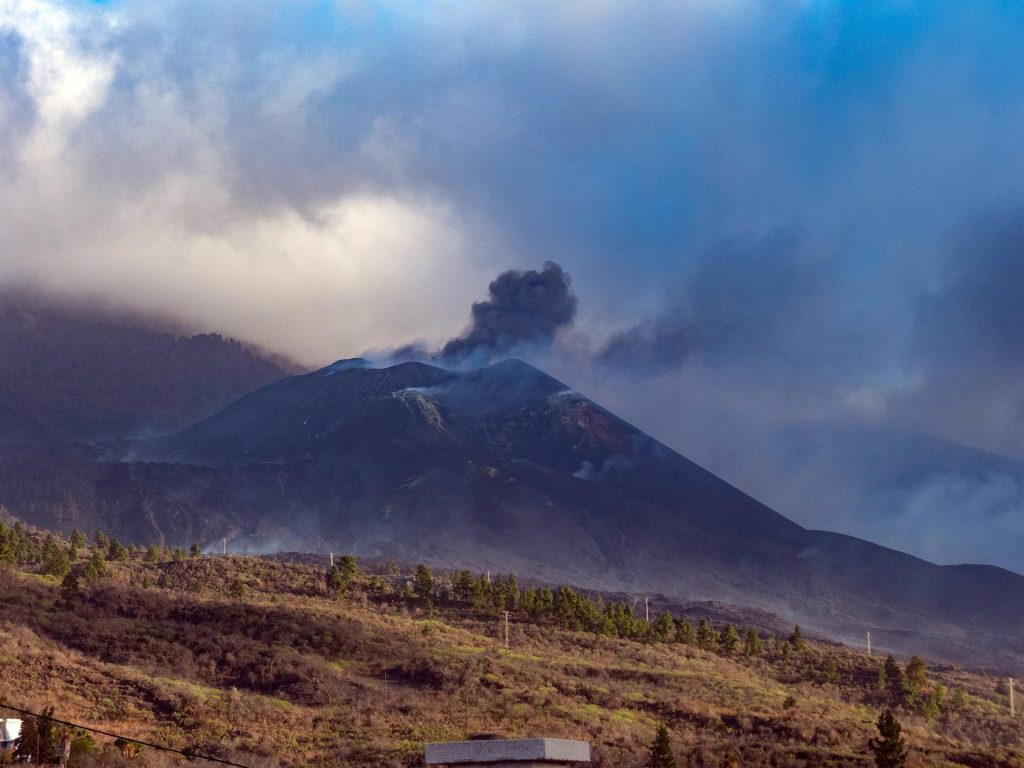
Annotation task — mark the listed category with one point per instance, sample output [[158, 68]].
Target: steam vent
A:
[[509, 753]]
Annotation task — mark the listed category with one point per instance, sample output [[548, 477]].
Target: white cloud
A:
[[143, 208], [65, 81]]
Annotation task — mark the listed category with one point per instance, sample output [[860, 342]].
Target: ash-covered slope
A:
[[420, 446], [506, 468]]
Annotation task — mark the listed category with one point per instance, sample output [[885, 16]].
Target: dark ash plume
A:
[[523, 308]]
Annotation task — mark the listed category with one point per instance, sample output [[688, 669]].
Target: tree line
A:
[[903, 687], [567, 608]]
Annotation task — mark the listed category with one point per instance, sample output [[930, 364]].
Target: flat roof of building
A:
[[507, 751]]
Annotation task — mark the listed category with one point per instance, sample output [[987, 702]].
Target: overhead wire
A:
[[184, 753]]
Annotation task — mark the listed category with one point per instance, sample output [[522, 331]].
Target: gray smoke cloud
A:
[[968, 338], [756, 317], [976, 310], [523, 309], [522, 316], [743, 298]]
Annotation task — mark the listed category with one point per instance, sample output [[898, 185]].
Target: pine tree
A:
[[896, 682], [26, 746], [496, 595], [117, 551], [338, 578], [481, 589], [462, 586], [890, 750], [528, 602], [752, 643], [24, 548], [545, 602], [96, 567], [6, 545], [423, 582], [349, 567], [663, 627], [729, 638], [512, 596], [39, 738], [56, 560], [195, 551], [661, 755], [684, 632], [917, 677], [706, 637], [567, 608]]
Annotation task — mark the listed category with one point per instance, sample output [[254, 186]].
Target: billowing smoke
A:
[[523, 310]]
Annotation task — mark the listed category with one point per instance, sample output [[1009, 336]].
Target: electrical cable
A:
[[189, 755]]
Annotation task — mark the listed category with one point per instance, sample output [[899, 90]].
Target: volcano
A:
[[505, 468]]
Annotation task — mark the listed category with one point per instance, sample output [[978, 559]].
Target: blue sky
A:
[[774, 214]]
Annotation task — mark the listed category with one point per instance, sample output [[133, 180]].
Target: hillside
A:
[[256, 661], [504, 468], [72, 372]]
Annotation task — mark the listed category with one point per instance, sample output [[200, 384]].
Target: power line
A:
[[189, 755]]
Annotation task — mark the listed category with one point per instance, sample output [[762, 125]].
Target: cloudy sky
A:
[[790, 226]]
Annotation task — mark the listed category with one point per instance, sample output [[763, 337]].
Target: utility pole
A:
[[1013, 712], [332, 559], [506, 630], [65, 748], [647, 610], [224, 544], [869, 643]]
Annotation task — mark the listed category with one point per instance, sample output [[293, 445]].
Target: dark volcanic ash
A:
[[523, 309]]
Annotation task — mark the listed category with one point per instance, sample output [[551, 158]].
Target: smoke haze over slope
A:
[[775, 214]]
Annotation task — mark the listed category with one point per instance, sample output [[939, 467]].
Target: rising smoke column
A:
[[523, 309]]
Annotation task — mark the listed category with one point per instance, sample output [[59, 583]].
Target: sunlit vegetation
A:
[[283, 663]]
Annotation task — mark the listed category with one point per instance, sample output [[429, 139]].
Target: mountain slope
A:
[[75, 373], [505, 468]]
